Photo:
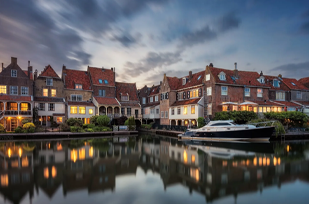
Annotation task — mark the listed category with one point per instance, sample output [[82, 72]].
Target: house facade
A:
[[152, 106], [16, 95]]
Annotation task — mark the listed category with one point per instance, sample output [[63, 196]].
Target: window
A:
[[45, 92], [207, 77], [2, 89], [51, 107], [166, 114], [184, 81], [90, 111], [192, 109], [185, 110], [49, 82], [222, 77], [151, 99], [298, 95], [208, 91], [82, 110], [100, 81], [76, 97], [247, 92], [73, 110], [128, 111], [259, 92], [101, 92], [156, 98], [59, 119], [24, 106], [178, 111], [293, 84], [78, 86], [122, 110], [280, 96], [157, 111], [124, 98], [42, 106], [162, 114], [144, 100], [24, 90], [173, 111], [53, 93], [14, 90], [105, 81], [235, 108], [209, 109], [276, 83], [152, 111], [224, 90], [13, 73]]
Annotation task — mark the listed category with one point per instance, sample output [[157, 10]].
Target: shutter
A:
[[167, 95], [188, 94], [200, 92], [176, 96], [161, 97], [184, 95]]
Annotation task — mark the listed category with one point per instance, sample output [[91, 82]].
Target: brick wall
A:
[[86, 94], [40, 84], [109, 91]]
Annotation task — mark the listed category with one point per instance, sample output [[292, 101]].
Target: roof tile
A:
[[293, 84], [73, 77], [15, 98], [106, 101], [126, 88], [80, 103], [103, 74], [186, 102], [49, 72]]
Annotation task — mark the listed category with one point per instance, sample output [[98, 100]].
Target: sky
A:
[[143, 39]]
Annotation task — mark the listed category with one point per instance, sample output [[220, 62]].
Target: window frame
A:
[[42, 108], [259, 94], [51, 92], [77, 86], [90, 110], [73, 108], [247, 93], [151, 99], [23, 88], [51, 105], [222, 77], [3, 89], [185, 110], [224, 93], [82, 110], [76, 96], [124, 98], [156, 98], [172, 111], [207, 77], [184, 80], [162, 114], [144, 100], [46, 92], [298, 95], [13, 71], [11, 88], [193, 110], [102, 92], [209, 90], [49, 80]]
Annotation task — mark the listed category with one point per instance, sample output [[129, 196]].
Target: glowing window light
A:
[[46, 173], [248, 162], [185, 157], [54, 171], [14, 164], [275, 161], [288, 148], [20, 152], [59, 146], [264, 161], [235, 163], [260, 161], [24, 162], [224, 163], [268, 161], [254, 161], [279, 161], [193, 159], [9, 152]]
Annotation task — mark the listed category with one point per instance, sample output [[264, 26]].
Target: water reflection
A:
[[214, 170]]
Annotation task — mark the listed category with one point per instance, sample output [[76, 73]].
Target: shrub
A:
[[126, 122], [85, 126], [29, 127], [97, 129], [19, 129], [24, 121], [76, 129], [201, 122], [131, 123], [103, 120], [93, 119], [2, 129], [89, 130], [64, 127], [146, 126], [91, 125], [290, 118], [74, 122], [239, 117]]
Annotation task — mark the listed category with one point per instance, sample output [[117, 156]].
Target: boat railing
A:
[[264, 124]]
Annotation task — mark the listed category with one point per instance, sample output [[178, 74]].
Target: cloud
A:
[[296, 70], [228, 22], [127, 40]]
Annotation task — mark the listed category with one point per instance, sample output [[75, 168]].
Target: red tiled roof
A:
[[266, 103], [26, 72], [305, 103], [49, 72], [126, 88], [152, 104], [15, 98], [106, 101], [80, 103], [297, 86], [270, 79], [131, 104], [48, 99], [154, 90], [245, 77], [73, 77], [186, 102], [197, 79], [286, 103], [101, 73], [173, 82], [304, 81]]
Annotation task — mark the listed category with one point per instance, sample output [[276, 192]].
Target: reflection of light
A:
[[197, 175], [279, 161], [81, 154], [288, 148], [24, 162], [59, 146], [54, 172], [46, 172], [193, 159], [224, 163], [268, 161], [4, 180], [264, 161], [260, 161], [234, 163], [185, 157], [275, 161], [19, 152], [73, 155], [248, 162], [48, 145], [91, 152], [9, 152], [254, 161]]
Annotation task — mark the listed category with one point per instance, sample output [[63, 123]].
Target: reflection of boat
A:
[[227, 130]]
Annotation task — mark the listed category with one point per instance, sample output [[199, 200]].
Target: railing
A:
[[15, 112], [118, 115]]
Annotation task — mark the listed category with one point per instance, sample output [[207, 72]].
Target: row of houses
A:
[[180, 101], [76, 94]]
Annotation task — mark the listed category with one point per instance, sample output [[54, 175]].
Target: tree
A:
[[201, 122], [93, 119], [103, 120]]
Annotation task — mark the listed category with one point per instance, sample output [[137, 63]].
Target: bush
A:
[[103, 120], [2, 129], [93, 119], [29, 128], [146, 126], [279, 128], [290, 118], [126, 122], [85, 126], [19, 129], [201, 122], [65, 127], [89, 130], [131, 123], [76, 129], [24, 121], [239, 117], [74, 122]]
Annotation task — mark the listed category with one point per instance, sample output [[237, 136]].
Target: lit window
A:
[[185, 110], [192, 109], [53, 92], [90, 111], [224, 90], [91, 152], [76, 97], [51, 107], [207, 77], [192, 159], [42, 106], [224, 108], [54, 172], [46, 172], [45, 92], [49, 82], [73, 110], [105, 81], [13, 73], [100, 81], [24, 106], [259, 92], [82, 110], [78, 86], [59, 119], [4, 180], [14, 90], [2, 89], [247, 92], [208, 91], [235, 108], [24, 162]]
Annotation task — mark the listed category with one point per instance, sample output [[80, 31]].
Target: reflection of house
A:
[[16, 95]]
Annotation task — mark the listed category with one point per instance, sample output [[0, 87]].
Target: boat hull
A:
[[256, 134]]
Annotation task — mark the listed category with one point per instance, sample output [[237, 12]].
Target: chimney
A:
[[235, 64], [29, 71], [211, 65], [35, 74], [13, 60], [190, 75], [164, 75], [160, 83], [236, 71], [261, 74], [28, 63], [112, 68]]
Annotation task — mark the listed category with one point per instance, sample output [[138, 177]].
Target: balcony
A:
[[15, 112]]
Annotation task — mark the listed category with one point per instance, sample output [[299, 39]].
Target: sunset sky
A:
[[143, 39]]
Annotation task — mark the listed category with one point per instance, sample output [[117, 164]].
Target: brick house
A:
[[78, 94], [49, 96], [104, 91], [142, 95], [127, 96], [152, 106], [16, 95]]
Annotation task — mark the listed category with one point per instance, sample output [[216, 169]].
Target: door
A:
[[136, 113], [13, 124]]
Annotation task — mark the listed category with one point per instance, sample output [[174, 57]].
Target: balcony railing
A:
[[15, 112], [118, 115]]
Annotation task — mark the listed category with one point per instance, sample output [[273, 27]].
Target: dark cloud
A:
[[304, 28], [127, 40], [296, 70], [228, 22]]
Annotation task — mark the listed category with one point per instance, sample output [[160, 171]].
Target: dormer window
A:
[[124, 97], [276, 83], [49, 82], [222, 76], [100, 81], [13, 73], [207, 77], [261, 80], [184, 81], [78, 86]]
